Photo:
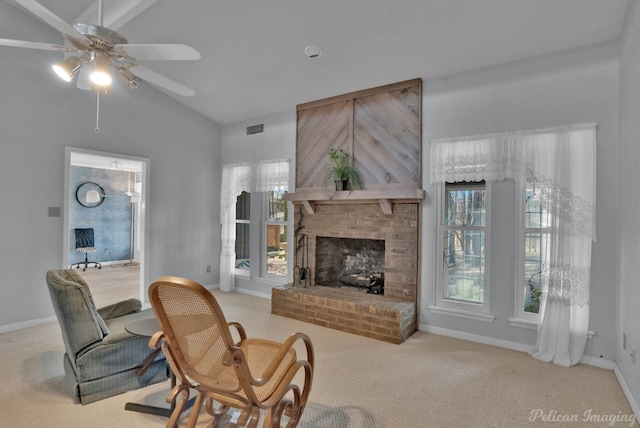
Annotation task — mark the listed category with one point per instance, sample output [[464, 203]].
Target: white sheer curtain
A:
[[561, 164], [259, 177]]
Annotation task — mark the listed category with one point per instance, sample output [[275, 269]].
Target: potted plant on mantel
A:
[[341, 172]]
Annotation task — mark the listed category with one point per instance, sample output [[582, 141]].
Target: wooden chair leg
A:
[[179, 405], [195, 410]]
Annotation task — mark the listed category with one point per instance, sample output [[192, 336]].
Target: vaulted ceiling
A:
[[253, 61]]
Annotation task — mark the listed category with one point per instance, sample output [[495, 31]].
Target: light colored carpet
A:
[[428, 381]]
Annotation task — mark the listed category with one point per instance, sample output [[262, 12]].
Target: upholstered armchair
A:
[[102, 359]]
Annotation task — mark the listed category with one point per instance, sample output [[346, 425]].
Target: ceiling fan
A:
[[93, 52]]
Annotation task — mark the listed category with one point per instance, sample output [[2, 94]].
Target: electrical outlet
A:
[[633, 355], [208, 268], [624, 341]]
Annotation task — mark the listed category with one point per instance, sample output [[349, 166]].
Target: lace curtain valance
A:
[[560, 161], [255, 177]]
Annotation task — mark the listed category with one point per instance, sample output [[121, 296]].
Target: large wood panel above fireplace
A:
[[382, 130], [380, 127]]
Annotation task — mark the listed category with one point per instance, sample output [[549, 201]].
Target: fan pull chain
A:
[[97, 130]]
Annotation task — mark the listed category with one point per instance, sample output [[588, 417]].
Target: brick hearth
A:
[[387, 319], [391, 317]]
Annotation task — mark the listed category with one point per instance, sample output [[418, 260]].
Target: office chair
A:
[[85, 244]]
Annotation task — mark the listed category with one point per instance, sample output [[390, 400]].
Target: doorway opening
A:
[[107, 193]]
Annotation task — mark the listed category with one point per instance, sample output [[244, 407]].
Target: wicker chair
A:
[[253, 376]]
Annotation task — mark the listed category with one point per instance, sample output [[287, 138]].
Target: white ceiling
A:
[[253, 60]]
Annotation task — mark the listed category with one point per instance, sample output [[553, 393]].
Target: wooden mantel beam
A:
[[386, 197]]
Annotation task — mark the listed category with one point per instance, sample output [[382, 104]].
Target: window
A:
[[243, 220], [463, 244], [272, 260], [562, 161], [243, 228], [533, 244], [276, 233]]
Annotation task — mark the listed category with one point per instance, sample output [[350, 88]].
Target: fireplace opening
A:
[[350, 262]]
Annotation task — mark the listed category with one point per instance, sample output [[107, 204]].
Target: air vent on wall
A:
[[255, 129]]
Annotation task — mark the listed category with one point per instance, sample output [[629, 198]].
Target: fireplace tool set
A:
[[302, 248]]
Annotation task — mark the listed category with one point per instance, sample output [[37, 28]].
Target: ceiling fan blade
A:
[[32, 45], [50, 18], [160, 52], [115, 13], [161, 81]]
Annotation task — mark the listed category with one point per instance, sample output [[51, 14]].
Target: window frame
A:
[[265, 222], [238, 271], [258, 221], [460, 308], [522, 230]]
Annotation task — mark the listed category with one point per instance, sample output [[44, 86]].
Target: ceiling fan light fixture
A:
[[128, 77], [68, 68], [100, 74], [101, 90]]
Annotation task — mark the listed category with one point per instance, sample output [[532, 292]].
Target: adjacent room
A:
[[431, 202]]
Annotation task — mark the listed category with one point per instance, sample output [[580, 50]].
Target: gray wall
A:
[[628, 320], [574, 87], [40, 115]]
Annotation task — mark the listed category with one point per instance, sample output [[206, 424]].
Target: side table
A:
[[148, 327]]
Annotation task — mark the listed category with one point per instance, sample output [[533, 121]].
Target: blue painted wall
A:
[[111, 220]]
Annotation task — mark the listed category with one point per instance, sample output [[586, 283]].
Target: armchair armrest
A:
[[286, 346], [240, 329], [119, 309], [235, 356]]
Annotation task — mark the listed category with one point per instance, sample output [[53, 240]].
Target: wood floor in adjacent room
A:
[[112, 283]]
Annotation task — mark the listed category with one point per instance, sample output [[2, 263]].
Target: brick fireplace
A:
[[347, 243], [350, 237]]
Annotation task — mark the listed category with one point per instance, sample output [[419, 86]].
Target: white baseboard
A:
[[603, 363], [241, 290], [253, 293], [627, 391], [515, 346], [32, 323], [26, 324], [507, 344]]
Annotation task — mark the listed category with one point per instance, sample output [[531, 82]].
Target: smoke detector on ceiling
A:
[[312, 51]]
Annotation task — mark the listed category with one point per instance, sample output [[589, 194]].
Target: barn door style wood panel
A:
[[381, 127], [386, 143], [319, 129]]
